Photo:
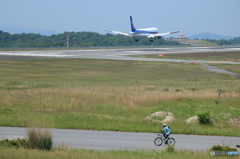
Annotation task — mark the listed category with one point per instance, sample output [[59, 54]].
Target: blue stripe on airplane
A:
[[141, 31]]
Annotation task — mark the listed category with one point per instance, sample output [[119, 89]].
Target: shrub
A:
[[40, 138], [179, 90], [166, 90], [217, 101], [222, 148], [204, 118], [193, 89], [18, 143]]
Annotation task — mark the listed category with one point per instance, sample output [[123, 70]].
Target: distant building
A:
[[182, 36]]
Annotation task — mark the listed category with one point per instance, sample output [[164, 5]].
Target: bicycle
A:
[[159, 140]]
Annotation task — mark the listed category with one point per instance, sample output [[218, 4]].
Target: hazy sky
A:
[[189, 16]]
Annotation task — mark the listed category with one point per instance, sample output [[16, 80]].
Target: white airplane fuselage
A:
[[143, 33], [136, 34]]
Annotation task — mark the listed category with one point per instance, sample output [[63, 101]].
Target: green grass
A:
[[118, 154], [211, 56], [115, 95], [229, 67], [196, 42]]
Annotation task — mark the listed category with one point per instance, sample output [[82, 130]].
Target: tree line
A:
[[77, 39], [86, 39]]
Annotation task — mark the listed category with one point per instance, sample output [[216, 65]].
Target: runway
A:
[[123, 54], [110, 140], [116, 54]]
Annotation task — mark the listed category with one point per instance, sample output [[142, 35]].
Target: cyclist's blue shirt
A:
[[167, 130]]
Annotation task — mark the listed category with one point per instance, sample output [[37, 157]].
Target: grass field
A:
[[228, 67], [211, 56], [115, 95], [89, 154]]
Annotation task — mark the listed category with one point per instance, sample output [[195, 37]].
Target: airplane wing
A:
[[118, 32], [161, 34]]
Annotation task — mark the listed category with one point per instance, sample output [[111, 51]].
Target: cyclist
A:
[[166, 130]]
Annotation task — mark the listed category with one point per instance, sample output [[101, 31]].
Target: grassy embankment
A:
[[115, 95], [195, 42]]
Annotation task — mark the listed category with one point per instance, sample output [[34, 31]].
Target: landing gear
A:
[[136, 40], [151, 40]]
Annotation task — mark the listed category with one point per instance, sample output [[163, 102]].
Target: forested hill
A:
[[77, 39]]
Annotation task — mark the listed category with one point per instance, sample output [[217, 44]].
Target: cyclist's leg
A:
[[169, 134], [166, 138], [165, 135]]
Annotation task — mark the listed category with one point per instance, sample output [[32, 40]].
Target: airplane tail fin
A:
[[132, 25]]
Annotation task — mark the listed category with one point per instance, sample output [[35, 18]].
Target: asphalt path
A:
[[123, 54], [109, 140]]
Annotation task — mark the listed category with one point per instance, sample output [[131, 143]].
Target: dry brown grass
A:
[[64, 147], [234, 122], [63, 99]]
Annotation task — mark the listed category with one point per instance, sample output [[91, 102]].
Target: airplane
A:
[[137, 34]]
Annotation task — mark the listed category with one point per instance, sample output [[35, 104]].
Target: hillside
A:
[[210, 36], [195, 42]]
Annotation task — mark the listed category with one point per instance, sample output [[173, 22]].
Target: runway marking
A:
[[134, 51], [49, 54], [221, 62], [90, 50]]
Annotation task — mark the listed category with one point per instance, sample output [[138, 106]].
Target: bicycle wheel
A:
[[158, 141], [171, 141]]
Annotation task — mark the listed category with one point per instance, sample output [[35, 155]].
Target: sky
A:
[[190, 17]]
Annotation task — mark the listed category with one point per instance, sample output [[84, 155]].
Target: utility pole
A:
[[68, 41]]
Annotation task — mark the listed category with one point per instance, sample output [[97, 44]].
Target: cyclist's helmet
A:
[[164, 125]]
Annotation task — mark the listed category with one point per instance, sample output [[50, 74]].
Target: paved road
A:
[[105, 140], [120, 54]]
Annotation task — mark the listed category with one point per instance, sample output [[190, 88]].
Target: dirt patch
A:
[[161, 117], [234, 108], [192, 120], [234, 122], [19, 87]]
